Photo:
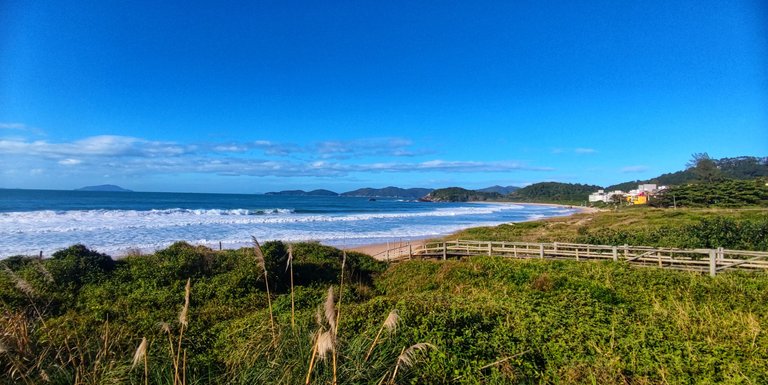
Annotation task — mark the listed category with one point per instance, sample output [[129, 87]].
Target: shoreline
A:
[[377, 248]]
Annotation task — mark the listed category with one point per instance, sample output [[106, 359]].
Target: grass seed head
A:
[[259, 254], [324, 344], [183, 316], [392, 320], [408, 358], [330, 312], [141, 351], [20, 283], [289, 261], [165, 327]]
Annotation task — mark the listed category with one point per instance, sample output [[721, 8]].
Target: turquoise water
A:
[[45, 220]]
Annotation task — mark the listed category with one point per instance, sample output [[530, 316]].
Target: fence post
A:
[[445, 251], [720, 253], [514, 250], [712, 263], [490, 249], [541, 251], [555, 245], [410, 251], [615, 254], [626, 251], [577, 253], [219, 245]]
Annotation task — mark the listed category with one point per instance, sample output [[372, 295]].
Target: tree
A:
[[704, 168]]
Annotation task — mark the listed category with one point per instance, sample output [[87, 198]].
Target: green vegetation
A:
[[726, 193], [82, 318], [486, 320], [702, 168], [745, 229], [547, 192], [458, 194], [388, 192]]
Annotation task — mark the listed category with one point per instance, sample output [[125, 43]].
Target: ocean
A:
[[32, 221]]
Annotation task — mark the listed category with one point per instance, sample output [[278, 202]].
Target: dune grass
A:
[[685, 228], [200, 316]]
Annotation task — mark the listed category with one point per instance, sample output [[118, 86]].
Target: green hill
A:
[[554, 192], [740, 168], [458, 194], [319, 192], [388, 192]]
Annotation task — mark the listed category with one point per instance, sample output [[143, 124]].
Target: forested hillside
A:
[[743, 167], [554, 192], [458, 194]]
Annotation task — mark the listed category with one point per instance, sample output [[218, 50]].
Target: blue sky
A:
[[270, 95]]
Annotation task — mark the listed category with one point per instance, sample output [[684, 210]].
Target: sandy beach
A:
[[378, 250]]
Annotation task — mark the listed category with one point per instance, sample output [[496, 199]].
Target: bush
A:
[[78, 265]]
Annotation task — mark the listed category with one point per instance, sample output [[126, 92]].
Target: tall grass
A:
[[491, 321]]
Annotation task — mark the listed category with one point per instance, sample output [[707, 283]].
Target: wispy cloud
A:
[[70, 162], [12, 126], [137, 156], [396, 147], [103, 145], [582, 150], [578, 150], [332, 149], [634, 169]]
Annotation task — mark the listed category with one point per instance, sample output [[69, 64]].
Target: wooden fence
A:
[[702, 260]]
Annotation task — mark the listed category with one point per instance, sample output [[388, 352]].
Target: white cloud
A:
[[70, 162], [131, 156], [103, 145], [12, 126], [578, 150]]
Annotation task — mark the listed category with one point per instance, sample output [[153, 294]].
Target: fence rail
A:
[[702, 260]]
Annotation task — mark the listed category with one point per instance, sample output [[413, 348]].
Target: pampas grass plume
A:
[[141, 351], [183, 316], [408, 357], [392, 320], [330, 312], [324, 344], [165, 327]]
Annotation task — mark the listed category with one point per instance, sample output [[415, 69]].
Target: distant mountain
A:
[[503, 190], [739, 168], [388, 192], [319, 192], [458, 194], [554, 192], [104, 187]]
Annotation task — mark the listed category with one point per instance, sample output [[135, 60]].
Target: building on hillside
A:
[[643, 193], [607, 197]]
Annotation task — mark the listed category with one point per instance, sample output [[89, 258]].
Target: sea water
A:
[[32, 221]]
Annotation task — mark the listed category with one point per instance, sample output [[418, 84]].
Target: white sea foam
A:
[[116, 231]]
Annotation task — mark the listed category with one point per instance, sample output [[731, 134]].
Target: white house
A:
[[607, 197]]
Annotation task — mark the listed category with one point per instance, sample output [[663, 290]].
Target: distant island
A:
[[104, 187], [302, 193], [386, 192], [389, 192]]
